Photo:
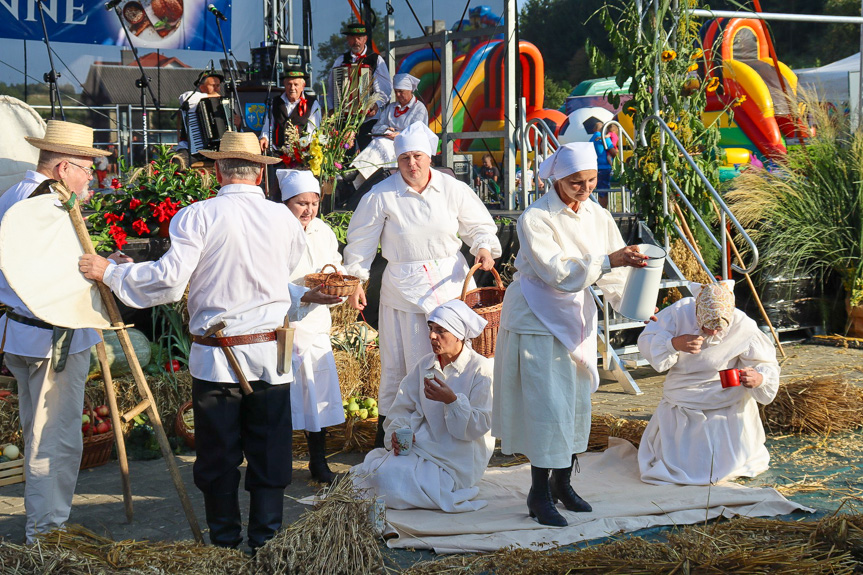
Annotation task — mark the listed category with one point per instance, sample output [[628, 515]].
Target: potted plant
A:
[[145, 199], [805, 214]]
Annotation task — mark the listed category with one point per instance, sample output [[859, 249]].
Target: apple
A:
[[103, 427], [363, 413], [85, 419], [369, 402], [373, 412], [103, 411]]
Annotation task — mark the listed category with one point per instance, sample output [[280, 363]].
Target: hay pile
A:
[[337, 537], [744, 545], [10, 424], [688, 266], [604, 426], [814, 405]]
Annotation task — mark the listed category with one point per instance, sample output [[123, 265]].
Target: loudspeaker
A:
[[462, 166]]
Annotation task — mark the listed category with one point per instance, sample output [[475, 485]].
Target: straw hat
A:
[[67, 138], [240, 146]]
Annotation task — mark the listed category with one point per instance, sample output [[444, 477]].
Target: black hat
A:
[[355, 29], [208, 74]]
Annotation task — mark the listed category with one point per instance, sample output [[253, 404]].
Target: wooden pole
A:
[[117, 425], [688, 232], [752, 288], [137, 372]]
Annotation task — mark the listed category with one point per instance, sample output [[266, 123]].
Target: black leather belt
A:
[[31, 321]]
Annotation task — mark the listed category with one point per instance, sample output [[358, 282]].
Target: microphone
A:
[[215, 12], [112, 4]]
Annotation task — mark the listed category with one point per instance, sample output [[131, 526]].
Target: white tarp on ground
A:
[[837, 82], [608, 480]]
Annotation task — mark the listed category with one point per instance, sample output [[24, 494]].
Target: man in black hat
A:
[[208, 85], [294, 107], [360, 55]]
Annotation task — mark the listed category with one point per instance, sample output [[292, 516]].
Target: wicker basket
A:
[[97, 447], [181, 428], [487, 302], [333, 283]]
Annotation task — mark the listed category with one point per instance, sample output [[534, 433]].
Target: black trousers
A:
[[229, 426]]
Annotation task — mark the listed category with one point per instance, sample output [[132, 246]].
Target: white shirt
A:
[[322, 248], [416, 230], [311, 125], [24, 339], [225, 248], [416, 112], [457, 436], [382, 84]]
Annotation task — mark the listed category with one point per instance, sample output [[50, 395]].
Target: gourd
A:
[[116, 358]]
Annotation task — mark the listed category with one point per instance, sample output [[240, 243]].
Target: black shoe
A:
[[265, 515], [561, 489], [379, 437], [223, 519], [539, 503], [318, 467]]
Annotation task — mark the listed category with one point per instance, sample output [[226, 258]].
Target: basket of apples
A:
[[98, 436]]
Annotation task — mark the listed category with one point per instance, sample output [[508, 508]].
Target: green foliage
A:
[[807, 215], [146, 199], [555, 93], [339, 222], [174, 340], [670, 44]]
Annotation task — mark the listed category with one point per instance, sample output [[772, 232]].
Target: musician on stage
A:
[[294, 107], [208, 85], [359, 54]]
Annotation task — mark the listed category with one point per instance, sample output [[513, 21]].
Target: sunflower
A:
[[692, 68], [672, 126], [697, 54], [668, 55], [712, 84], [740, 99]]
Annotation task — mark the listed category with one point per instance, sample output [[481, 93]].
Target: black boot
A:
[[539, 503], [265, 515], [318, 467], [223, 519], [379, 438], [562, 489]]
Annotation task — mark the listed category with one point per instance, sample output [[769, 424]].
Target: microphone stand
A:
[[230, 73], [142, 83], [51, 77], [268, 101]]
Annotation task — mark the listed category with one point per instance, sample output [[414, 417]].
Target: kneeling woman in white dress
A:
[[316, 401], [702, 433], [450, 416]]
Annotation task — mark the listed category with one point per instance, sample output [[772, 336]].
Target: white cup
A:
[[404, 439]]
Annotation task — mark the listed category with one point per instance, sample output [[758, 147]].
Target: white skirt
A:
[[404, 340], [316, 400], [541, 400], [699, 447], [411, 482]]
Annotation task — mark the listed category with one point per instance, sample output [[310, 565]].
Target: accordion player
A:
[[207, 122]]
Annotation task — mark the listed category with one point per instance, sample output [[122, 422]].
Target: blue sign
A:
[[255, 115], [153, 24]]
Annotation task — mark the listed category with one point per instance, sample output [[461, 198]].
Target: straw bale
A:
[[370, 373], [336, 537], [343, 314], [10, 425], [603, 426], [814, 405], [349, 371]]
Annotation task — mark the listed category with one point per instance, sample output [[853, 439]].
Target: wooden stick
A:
[[117, 425], [688, 232], [137, 372], [752, 287]]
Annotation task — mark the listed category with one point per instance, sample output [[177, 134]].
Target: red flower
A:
[[134, 203], [165, 210], [118, 235], [115, 183], [114, 218], [140, 227]]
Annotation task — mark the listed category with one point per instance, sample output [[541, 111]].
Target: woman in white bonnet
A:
[[546, 347], [450, 416], [419, 217], [316, 401]]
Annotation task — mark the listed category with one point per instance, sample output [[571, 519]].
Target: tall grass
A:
[[805, 215]]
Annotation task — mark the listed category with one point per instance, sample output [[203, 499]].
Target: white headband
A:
[[405, 82], [416, 138], [296, 182], [569, 159], [457, 318]]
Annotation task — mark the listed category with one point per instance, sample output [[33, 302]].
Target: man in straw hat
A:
[[236, 252], [445, 402], [546, 347], [703, 432], [50, 365], [292, 107]]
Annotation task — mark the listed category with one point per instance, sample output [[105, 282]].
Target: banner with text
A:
[[162, 24]]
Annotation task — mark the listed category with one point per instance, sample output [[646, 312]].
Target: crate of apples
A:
[[360, 407], [100, 420]]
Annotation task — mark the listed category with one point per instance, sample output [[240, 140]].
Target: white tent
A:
[[837, 82]]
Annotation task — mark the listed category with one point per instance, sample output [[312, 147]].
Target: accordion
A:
[[206, 124], [352, 86]]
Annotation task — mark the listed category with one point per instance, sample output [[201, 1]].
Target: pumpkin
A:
[[116, 357]]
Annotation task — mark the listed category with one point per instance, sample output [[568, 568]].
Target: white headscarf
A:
[[418, 138], [568, 159], [296, 182], [458, 319], [405, 82]]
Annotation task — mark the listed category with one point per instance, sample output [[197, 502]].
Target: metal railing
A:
[[725, 215]]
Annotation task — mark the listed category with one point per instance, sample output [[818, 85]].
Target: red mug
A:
[[729, 377]]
